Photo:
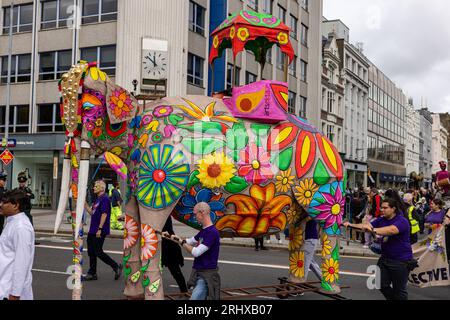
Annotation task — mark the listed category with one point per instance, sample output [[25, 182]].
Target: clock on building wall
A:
[[155, 63]]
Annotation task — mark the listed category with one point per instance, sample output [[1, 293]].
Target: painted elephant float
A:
[[259, 168]]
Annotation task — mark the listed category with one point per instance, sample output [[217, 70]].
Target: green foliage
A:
[[236, 185], [202, 146]]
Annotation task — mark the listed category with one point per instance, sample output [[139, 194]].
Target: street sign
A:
[[7, 157], [11, 143]]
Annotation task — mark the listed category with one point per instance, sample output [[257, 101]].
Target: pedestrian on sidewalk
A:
[[98, 231], [16, 249], [259, 243], [396, 259], [3, 177], [205, 248], [172, 257]]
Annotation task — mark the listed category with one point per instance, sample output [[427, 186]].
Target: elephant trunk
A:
[[82, 184], [64, 195]]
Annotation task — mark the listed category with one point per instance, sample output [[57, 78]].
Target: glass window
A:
[[89, 54], [303, 68], [292, 97], [64, 62], [302, 111], [282, 13], [104, 56], [49, 15], [250, 77], [22, 18], [47, 66], [19, 119], [196, 18], [20, 68], [304, 35], [49, 119], [280, 58], [304, 4], [195, 70], [253, 4], [268, 6], [293, 67], [99, 10], [294, 28], [230, 75]]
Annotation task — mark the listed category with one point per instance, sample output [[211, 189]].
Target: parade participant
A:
[[447, 233], [2, 191], [99, 229], [16, 249], [309, 248], [172, 257], [259, 244], [205, 248], [396, 259], [436, 216], [116, 207], [443, 180], [412, 216]]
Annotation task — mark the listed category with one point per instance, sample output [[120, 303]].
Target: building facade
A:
[[332, 113], [439, 143], [445, 121], [47, 40], [386, 131], [412, 161], [355, 72], [425, 144]]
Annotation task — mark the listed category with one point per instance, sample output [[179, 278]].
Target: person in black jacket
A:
[[22, 179], [172, 257], [2, 191]]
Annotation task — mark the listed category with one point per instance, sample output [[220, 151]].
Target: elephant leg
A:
[[296, 253], [330, 263], [132, 251], [152, 222]]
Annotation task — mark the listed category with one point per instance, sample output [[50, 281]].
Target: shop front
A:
[[356, 174]]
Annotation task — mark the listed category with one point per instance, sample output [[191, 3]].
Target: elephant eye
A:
[[88, 105]]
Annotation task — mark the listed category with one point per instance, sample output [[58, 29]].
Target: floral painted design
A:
[[163, 176], [133, 176], [120, 104], [163, 111], [306, 191], [157, 137], [131, 232], [254, 164], [283, 38], [232, 32], [149, 242], [295, 238], [257, 214], [147, 120], [297, 264], [216, 42], [328, 206], [208, 115], [326, 245], [330, 270], [293, 215], [185, 208], [285, 181], [216, 170], [243, 34]]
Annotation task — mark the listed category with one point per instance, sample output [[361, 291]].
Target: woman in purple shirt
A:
[[436, 215], [396, 251]]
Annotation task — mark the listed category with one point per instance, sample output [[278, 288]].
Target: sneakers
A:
[[89, 277], [118, 272]]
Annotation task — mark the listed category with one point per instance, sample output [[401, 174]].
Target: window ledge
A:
[[16, 33], [98, 22], [15, 83], [196, 85]]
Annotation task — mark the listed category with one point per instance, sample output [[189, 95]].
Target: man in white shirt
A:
[[16, 249]]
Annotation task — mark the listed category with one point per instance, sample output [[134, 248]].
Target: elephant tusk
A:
[[82, 185], [64, 196]]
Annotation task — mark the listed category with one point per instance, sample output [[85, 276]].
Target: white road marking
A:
[[49, 271], [249, 264]]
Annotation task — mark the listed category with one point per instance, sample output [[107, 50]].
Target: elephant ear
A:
[[121, 105]]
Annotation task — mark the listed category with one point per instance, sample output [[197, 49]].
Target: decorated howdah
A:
[[259, 168], [262, 101]]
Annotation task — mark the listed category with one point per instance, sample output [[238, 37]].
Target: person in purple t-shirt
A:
[[396, 252], [205, 248], [99, 229], [436, 216]]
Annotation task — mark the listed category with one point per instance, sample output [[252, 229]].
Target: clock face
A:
[[154, 64]]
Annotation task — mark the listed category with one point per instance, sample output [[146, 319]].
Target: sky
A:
[[408, 40]]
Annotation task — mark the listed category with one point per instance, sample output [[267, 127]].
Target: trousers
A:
[[309, 248], [176, 273], [394, 278], [95, 250]]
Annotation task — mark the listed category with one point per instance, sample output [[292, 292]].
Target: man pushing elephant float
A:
[[256, 166]]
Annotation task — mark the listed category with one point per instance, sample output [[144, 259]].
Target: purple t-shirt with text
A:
[[102, 205], [396, 247], [209, 237], [311, 230]]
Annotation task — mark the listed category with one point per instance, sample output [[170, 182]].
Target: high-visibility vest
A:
[[413, 222]]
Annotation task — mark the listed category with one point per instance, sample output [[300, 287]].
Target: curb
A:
[[230, 243]]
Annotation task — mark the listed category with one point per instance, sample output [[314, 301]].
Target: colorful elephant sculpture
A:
[[259, 168]]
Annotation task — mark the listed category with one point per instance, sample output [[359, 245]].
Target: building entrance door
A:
[[44, 185]]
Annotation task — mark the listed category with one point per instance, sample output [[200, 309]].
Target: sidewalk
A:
[[44, 221]]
